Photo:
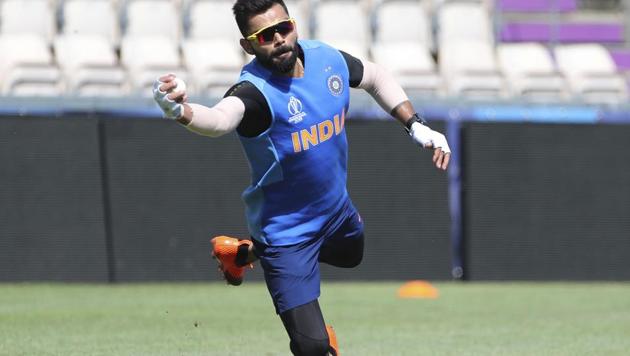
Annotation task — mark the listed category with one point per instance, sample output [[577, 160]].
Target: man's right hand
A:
[[170, 96]]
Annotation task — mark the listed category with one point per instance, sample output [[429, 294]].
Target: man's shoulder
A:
[[313, 44]]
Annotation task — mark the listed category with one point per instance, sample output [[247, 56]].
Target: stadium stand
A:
[[36, 17], [27, 66], [149, 18], [595, 80], [332, 26], [403, 43], [537, 6], [300, 12], [531, 72], [478, 50], [464, 29], [212, 30], [90, 66], [91, 17], [212, 20], [146, 58]]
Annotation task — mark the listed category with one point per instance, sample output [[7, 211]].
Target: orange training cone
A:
[[418, 289]]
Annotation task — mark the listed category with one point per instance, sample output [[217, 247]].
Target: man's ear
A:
[[247, 46]]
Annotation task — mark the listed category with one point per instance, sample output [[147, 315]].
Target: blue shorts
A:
[[292, 272]]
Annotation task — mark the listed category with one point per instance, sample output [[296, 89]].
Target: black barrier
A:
[[403, 201], [547, 202], [171, 190], [51, 209], [541, 202]]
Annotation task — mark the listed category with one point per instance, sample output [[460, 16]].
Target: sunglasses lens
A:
[[283, 28]]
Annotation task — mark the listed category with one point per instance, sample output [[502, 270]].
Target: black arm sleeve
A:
[[257, 117], [355, 67]]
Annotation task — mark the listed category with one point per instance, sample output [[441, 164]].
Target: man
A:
[[288, 109]]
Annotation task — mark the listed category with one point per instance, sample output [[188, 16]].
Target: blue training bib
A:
[[299, 165]]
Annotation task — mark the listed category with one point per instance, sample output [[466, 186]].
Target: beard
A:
[[274, 61]]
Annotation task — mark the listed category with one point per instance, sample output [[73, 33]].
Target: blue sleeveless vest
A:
[[299, 164]]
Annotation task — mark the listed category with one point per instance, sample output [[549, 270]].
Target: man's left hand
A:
[[427, 138]]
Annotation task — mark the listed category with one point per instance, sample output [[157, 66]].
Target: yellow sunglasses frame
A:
[[254, 35]]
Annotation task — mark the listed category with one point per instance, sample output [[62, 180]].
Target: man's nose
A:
[[278, 39]]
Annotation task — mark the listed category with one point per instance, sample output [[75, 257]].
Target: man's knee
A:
[[305, 346], [351, 261]]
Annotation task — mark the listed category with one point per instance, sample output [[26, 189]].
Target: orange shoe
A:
[[332, 339], [225, 250]]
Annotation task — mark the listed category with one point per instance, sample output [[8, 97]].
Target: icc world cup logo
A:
[[295, 106]]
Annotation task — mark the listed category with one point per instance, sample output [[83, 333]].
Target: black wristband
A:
[[415, 118]]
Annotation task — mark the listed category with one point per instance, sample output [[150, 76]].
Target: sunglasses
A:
[[266, 34]]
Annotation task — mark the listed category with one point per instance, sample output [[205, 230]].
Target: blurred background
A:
[[532, 95]]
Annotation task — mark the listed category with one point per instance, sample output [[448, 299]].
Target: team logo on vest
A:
[[335, 85], [295, 109]]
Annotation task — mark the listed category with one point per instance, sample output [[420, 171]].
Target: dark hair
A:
[[246, 9]]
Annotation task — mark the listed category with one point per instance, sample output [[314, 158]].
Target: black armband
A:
[[415, 118]]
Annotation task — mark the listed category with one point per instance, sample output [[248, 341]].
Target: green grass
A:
[[213, 319]]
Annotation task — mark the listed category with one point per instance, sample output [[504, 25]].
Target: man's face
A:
[[280, 53]]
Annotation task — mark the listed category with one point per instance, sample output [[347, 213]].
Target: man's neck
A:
[[298, 69]]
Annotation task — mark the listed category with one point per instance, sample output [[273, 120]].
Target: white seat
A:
[[214, 65], [28, 17], [213, 19], [153, 18], [334, 28], [411, 64], [401, 20], [403, 46], [355, 49], [91, 17], [475, 79], [531, 72], [147, 58], [596, 80], [90, 66], [27, 67], [300, 12], [464, 21]]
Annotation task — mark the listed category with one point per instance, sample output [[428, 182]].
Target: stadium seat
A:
[[299, 10], [27, 67], [91, 18], [537, 6], [531, 72], [147, 58], [401, 20], [35, 17], [213, 20], [571, 32], [90, 66], [212, 74], [153, 18], [464, 21], [334, 28], [595, 80], [412, 66], [474, 79], [402, 45]]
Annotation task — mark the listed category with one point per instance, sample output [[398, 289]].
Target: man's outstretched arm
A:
[[214, 121], [382, 86]]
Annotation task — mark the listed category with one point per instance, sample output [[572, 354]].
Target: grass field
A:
[[213, 319]]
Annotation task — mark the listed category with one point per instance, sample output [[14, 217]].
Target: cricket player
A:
[[288, 108]]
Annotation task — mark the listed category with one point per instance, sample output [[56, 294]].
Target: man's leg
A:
[[344, 252], [307, 331], [344, 248]]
